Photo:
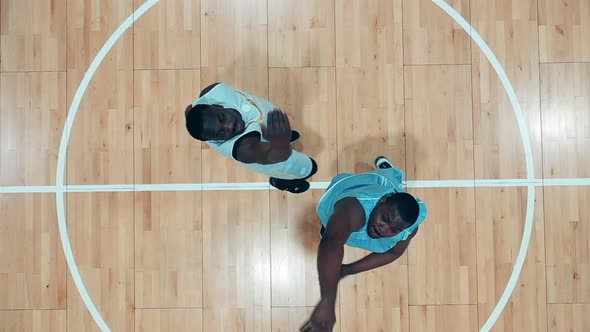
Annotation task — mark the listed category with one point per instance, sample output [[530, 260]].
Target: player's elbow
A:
[[279, 156], [395, 253], [332, 241], [284, 155], [246, 156]]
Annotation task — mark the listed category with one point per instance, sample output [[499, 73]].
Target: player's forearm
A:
[[330, 255], [369, 262], [272, 153], [279, 153], [268, 153]]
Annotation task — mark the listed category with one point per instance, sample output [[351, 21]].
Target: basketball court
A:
[[112, 218]]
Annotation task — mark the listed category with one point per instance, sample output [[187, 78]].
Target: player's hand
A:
[[322, 319], [277, 129]]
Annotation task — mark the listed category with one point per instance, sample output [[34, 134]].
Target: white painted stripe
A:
[[61, 160], [237, 186], [473, 183], [265, 186], [98, 188], [26, 189], [528, 154], [567, 182], [318, 185]]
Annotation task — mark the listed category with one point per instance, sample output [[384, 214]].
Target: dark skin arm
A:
[[348, 217], [251, 150], [375, 260]]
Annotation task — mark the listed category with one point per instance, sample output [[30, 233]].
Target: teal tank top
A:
[[368, 188], [254, 111]]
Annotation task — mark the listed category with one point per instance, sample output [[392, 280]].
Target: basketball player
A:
[[251, 131], [370, 211]]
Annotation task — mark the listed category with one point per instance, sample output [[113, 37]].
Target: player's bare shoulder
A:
[[350, 209]]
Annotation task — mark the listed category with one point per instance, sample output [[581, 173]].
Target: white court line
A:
[[27, 189], [265, 186], [61, 160], [528, 154], [567, 182]]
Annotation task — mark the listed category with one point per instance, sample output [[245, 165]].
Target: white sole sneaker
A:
[[382, 163]]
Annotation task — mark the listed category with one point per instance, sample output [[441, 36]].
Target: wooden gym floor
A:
[[358, 79]]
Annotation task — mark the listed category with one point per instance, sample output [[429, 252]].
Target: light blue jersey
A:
[[254, 112], [367, 188]]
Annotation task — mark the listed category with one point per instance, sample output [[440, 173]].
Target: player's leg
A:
[[295, 186]]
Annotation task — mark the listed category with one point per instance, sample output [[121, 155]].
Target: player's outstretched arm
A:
[[375, 260], [348, 216]]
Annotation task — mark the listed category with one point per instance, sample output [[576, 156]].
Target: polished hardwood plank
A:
[[308, 95], [107, 107], [100, 226], [431, 36], [511, 31], [168, 36], [168, 250], [32, 35], [442, 260], [301, 33], [164, 152], [236, 261], [32, 263], [564, 26], [33, 321], [32, 115], [439, 123], [500, 226], [148, 320]]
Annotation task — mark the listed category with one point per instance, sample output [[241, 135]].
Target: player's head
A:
[[213, 122], [392, 215]]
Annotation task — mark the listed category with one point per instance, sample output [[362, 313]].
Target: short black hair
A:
[[405, 204], [194, 121]]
